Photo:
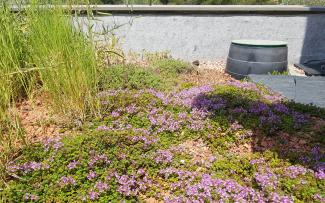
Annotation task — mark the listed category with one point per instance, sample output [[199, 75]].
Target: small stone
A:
[[38, 103], [247, 146], [196, 63]]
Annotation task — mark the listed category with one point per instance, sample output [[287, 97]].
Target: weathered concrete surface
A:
[[208, 37], [128, 8], [305, 90]]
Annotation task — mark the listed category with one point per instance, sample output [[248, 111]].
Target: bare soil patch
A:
[[207, 76], [38, 121], [199, 151]]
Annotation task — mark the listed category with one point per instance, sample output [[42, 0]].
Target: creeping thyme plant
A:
[[230, 142]]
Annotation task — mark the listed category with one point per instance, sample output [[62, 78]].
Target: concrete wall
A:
[[208, 36]]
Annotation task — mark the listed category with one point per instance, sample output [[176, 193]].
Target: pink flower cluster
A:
[[163, 156], [132, 185], [66, 180], [271, 96], [96, 158], [54, 143], [204, 188]]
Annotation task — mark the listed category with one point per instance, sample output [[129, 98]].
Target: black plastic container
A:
[[256, 57]]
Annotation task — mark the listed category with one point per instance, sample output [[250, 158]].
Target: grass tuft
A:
[[66, 60]]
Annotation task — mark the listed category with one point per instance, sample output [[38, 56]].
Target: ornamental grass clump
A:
[[42, 51], [13, 80], [65, 58], [42, 48]]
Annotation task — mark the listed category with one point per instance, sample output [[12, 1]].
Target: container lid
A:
[[259, 43]]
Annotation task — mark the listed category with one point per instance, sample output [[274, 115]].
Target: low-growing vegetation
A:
[[139, 132], [202, 144]]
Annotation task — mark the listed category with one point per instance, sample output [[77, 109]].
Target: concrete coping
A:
[[259, 43], [287, 9]]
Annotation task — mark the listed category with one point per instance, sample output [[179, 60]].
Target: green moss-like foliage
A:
[[141, 147]]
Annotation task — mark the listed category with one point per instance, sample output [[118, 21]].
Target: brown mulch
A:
[[242, 148], [206, 76], [301, 142], [37, 120], [199, 151], [152, 200], [318, 124]]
